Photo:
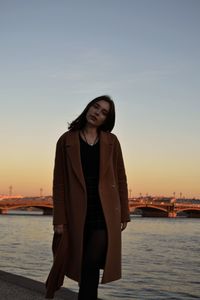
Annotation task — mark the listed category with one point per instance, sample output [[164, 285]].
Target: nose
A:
[[97, 111]]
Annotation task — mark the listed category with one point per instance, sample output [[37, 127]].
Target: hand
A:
[[58, 228], [123, 225]]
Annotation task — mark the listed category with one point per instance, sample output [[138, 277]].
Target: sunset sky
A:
[[56, 56]]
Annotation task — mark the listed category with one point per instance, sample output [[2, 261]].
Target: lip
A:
[[93, 117]]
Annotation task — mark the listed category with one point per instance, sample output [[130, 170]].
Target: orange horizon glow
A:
[[31, 175]]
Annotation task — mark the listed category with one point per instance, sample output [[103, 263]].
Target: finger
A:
[[58, 229], [123, 226]]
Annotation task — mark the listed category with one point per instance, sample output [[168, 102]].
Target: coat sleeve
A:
[[122, 185], [59, 214]]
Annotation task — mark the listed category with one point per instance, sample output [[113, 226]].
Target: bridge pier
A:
[[171, 214]]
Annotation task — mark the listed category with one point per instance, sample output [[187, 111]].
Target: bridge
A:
[[43, 203], [145, 206], [165, 207]]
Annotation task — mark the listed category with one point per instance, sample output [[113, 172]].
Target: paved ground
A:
[[14, 287]]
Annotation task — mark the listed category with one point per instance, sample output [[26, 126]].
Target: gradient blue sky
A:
[[58, 55]]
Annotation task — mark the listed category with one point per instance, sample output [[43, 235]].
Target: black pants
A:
[[94, 253]]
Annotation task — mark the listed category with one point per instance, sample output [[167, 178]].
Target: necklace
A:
[[91, 144]]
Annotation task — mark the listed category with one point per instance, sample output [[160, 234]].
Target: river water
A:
[[161, 256]]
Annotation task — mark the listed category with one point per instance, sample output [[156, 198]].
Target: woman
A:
[[90, 201]]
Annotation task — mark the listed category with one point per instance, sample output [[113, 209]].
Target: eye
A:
[[104, 112]]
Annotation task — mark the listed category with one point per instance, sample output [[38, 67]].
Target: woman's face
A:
[[97, 113]]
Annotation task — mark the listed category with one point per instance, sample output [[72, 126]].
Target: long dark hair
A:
[[80, 121]]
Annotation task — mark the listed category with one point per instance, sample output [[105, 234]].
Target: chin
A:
[[91, 121]]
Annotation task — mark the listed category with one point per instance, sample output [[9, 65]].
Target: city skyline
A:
[[57, 56]]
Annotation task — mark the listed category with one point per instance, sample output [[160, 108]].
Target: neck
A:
[[90, 135], [90, 130]]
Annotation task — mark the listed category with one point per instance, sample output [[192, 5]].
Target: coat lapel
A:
[[73, 151], [105, 152]]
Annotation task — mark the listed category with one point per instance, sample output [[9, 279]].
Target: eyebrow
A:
[[105, 110]]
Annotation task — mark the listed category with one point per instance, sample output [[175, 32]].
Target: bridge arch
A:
[[151, 210], [47, 209], [189, 212]]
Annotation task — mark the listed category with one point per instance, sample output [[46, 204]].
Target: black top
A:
[[90, 156]]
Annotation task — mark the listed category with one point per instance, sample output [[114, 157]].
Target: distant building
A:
[[184, 200]]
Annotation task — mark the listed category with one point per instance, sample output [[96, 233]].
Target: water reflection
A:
[[160, 256]]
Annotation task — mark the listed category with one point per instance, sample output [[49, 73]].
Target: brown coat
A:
[[70, 203]]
